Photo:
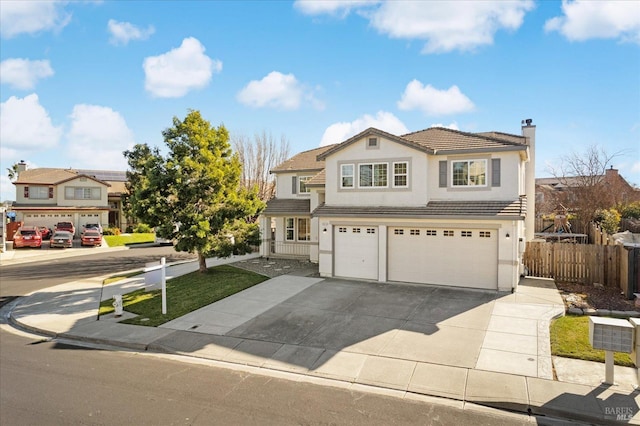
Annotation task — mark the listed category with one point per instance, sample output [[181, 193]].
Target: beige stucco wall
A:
[[388, 151], [83, 183]]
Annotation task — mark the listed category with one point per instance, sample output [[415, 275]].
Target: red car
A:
[[65, 226], [27, 236], [91, 237], [45, 232]]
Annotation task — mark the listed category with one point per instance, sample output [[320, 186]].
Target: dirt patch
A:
[[594, 297], [276, 267]]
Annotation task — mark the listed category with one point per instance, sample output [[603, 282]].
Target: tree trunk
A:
[[202, 262]]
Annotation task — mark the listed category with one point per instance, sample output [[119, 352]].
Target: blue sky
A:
[[83, 81]]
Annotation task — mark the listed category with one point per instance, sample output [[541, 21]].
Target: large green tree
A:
[[193, 194]]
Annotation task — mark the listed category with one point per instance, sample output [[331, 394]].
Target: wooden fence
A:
[[577, 263]]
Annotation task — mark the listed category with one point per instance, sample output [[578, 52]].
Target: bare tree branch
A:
[[258, 157]]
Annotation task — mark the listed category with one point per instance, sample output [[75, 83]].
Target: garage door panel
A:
[[356, 252], [464, 258]]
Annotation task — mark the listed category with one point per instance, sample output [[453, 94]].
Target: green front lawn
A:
[[570, 339], [126, 239], [185, 294]]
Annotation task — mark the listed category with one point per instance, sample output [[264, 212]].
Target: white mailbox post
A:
[[611, 335], [156, 273]]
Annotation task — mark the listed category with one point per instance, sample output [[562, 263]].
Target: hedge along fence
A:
[[578, 263]]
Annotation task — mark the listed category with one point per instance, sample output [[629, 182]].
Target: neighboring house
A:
[[46, 196], [437, 206], [551, 191]]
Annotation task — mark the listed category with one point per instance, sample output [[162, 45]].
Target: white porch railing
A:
[[281, 248]]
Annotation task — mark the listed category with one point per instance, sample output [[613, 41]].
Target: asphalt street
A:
[[24, 278]]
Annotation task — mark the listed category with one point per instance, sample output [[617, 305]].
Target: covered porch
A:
[[285, 226]]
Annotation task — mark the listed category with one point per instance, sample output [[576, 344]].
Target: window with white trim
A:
[[302, 184], [80, 193], [304, 229], [469, 173], [347, 176], [297, 229], [372, 175], [401, 174]]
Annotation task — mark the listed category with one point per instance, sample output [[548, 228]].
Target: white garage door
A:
[[46, 219], [457, 257], [356, 252]]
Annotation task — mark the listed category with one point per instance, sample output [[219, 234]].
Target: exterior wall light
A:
[[507, 236]]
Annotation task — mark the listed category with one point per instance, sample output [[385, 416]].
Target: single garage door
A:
[[457, 257], [355, 252]]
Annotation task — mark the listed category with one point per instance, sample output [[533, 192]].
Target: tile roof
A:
[[288, 207], [306, 160], [438, 139], [319, 179], [434, 209], [54, 176]]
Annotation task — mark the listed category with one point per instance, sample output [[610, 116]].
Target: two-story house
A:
[[437, 206], [46, 196]]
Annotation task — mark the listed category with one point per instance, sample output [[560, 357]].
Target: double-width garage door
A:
[[445, 256]]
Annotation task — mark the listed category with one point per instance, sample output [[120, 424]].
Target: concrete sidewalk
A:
[[512, 371]]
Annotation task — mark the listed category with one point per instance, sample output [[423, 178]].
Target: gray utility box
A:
[[611, 334]]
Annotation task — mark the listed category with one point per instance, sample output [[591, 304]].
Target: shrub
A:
[[142, 228], [129, 229], [609, 220], [631, 210], [111, 231]]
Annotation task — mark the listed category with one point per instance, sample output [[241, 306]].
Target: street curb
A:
[[511, 406]]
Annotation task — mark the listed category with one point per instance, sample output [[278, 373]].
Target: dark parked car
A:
[[61, 239], [27, 236], [91, 237], [65, 226], [45, 232]]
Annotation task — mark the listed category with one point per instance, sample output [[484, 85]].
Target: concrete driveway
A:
[[410, 322]]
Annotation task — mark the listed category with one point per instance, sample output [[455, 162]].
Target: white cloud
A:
[[26, 125], [175, 73], [97, 137], [386, 121], [123, 32], [277, 90], [24, 73], [452, 126], [7, 189], [432, 101], [584, 20], [635, 167], [339, 8], [18, 17], [446, 26]]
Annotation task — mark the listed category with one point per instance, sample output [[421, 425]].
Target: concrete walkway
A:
[[509, 367]]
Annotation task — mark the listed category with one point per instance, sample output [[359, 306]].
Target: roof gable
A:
[[371, 131]]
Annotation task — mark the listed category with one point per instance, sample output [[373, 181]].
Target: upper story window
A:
[[302, 184], [372, 175], [469, 173], [38, 192], [400, 174], [347, 175], [372, 143], [80, 193]]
